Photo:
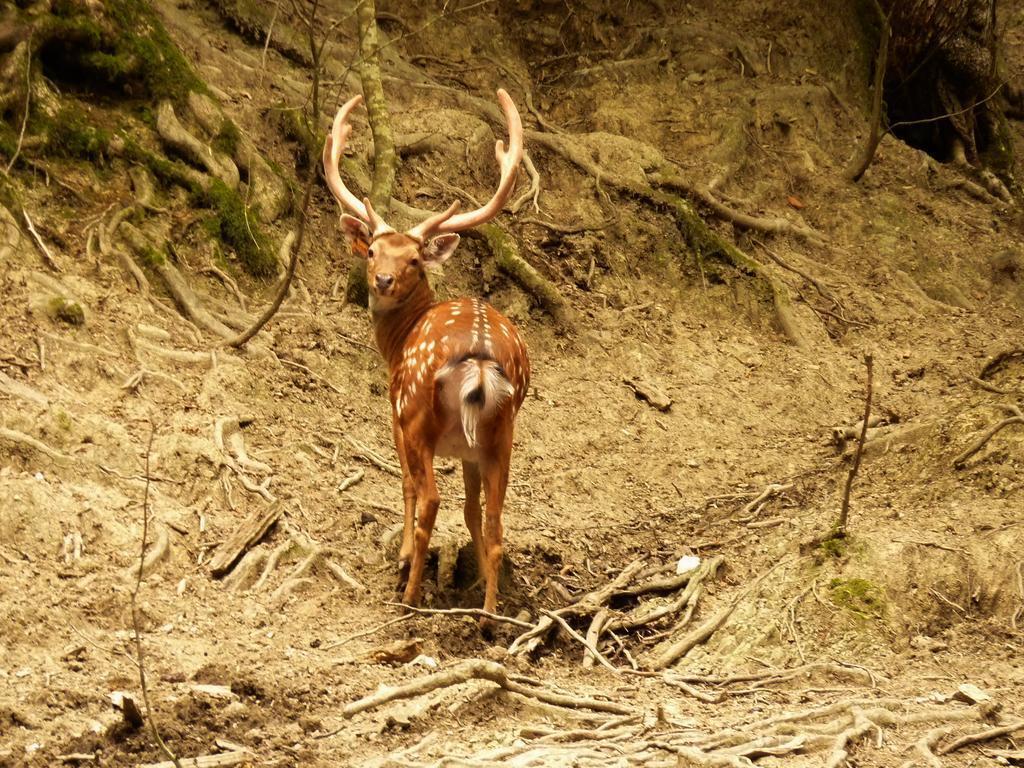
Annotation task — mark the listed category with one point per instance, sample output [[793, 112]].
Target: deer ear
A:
[[440, 248], [356, 234]]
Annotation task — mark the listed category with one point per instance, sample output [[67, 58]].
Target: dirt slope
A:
[[924, 594]]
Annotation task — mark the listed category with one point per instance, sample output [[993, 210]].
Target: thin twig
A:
[[861, 162], [28, 104], [366, 633], [136, 624], [844, 512], [47, 256], [293, 241], [462, 612]]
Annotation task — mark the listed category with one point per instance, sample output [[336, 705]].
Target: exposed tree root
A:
[[1016, 417], [778, 225], [20, 438], [699, 236], [187, 146], [601, 620], [833, 731], [478, 669], [268, 192], [176, 284], [507, 257], [256, 568], [674, 650]]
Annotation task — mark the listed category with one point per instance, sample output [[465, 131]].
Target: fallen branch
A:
[[47, 256], [678, 649], [974, 738], [370, 455], [1017, 417], [247, 535], [476, 612], [220, 760]]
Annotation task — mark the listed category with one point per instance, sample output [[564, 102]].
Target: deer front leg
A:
[[421, 467], [409, 498]]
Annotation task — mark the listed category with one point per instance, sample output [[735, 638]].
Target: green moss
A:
[[239, 227], [227, 139], [63, 421], [72, 135], [167, 171], [834, 547], [859, 596], [128, 49], [69, 312], [291, 123], [153, 258]]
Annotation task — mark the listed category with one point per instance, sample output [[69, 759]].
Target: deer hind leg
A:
[[495, 479], [472, 512], [409, 496], [421, 467]]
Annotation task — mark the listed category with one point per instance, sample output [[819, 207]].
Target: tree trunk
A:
[[942, 86]]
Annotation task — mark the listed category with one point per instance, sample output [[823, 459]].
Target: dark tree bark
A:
[[942, 82]]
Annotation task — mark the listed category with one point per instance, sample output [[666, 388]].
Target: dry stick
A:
[[28, 104], [844, 512], [293, 261], [592, 648], [1020, 592], [977, 445], [701, 634], [478, 669], [136, 626], [47, 256], [973, 738], [366, 633], [860, 163], [461, 612]]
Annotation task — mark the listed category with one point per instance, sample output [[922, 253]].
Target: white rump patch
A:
[[482, 389]]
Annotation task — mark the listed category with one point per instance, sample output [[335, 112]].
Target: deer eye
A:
[[414, 262], [370, 253]]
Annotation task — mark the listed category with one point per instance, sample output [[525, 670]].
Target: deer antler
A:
[[333, 147], [441, 223], [447, 221]]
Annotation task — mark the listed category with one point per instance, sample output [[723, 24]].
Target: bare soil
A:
[[929, 280]]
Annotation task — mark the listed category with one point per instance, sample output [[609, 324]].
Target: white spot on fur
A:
[[450, 322]]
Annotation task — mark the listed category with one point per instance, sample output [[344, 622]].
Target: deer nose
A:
[[384, 282]]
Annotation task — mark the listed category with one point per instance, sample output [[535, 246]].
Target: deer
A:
[[458, 370]]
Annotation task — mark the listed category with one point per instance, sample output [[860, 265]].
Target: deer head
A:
[[396, 261]]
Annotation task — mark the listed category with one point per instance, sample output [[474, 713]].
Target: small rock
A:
[[645, 389], [971, 694], [925, 643], [214, 691], [365, 518], [496, 653]]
